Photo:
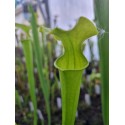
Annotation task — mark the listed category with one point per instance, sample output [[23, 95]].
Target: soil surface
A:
[[87, 115]]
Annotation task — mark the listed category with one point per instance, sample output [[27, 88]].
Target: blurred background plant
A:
[[101, 19], [37, 84]]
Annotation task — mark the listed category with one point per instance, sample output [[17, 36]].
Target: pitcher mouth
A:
[[72, 40], [63, 68]]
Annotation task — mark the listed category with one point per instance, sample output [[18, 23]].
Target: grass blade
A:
[[27, 48], [38, 55], [17, 97], [102, 21]]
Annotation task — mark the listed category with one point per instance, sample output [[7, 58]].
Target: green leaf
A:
[[17, 98], [27, 49], [102, 21], [71, 65], [72, 40], [38, 56], [25, 28], [83, 46], [44, 29]]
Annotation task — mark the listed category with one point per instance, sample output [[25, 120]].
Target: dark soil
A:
[[87, 115]]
